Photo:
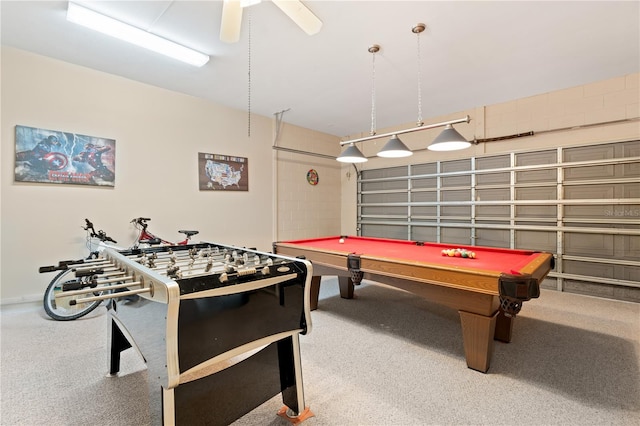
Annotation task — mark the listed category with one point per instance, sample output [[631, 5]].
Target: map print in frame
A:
[[222, 172], [53, 156]]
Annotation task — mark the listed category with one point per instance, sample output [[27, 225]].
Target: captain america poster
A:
[[51, 156]]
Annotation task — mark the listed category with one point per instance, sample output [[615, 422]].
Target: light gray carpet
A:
[[385, 358]]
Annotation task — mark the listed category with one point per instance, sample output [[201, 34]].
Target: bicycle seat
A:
[[188, 233]]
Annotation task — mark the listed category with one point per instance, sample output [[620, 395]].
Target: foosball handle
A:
[[152, 241]]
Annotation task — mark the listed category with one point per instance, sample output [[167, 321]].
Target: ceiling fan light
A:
[[449, 140], [394, 148], [247, 3], [114, 28], [352, 155], [301, 15], [231, 21]]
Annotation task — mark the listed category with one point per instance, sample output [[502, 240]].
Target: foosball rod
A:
[[185, 253], [91, 261], [201, 268], [195, 265], [97, 289], [190, 273], [216, 257], [111, 273], [112, 296], [106, 267], [223, 276], [70, 264], [164, 253]]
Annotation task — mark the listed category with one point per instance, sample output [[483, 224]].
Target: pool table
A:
[[487, 290]]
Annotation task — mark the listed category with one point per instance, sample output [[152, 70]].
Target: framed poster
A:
[[222, 172], [53, 156]]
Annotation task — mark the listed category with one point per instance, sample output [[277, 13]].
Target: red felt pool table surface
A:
[[473, 286], [489, 259]]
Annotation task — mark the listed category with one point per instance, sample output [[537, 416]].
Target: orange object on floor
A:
[[297, 419]]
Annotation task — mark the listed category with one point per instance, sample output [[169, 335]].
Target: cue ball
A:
[[341, 240]]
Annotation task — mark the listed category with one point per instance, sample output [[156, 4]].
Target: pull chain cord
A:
[[420, 122], [373, 49], [249, 82], [417, 30]]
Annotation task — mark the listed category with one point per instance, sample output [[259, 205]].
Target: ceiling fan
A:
[[294, 9]]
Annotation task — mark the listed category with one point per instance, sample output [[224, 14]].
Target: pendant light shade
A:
[[352, 155], [394, 148], [449, 140]]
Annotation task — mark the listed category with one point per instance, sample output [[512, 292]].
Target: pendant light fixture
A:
[[395, 148], [352, 154], [448, 140]]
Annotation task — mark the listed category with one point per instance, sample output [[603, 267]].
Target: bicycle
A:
[[92, 270]]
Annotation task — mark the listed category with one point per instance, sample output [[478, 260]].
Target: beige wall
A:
[[577, 110], [158, 134]]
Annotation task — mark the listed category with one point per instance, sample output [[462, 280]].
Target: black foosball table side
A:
[[214, 355]]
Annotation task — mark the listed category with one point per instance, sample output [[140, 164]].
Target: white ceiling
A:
[[473, 53]]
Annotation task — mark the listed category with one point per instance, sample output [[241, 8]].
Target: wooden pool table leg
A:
[[504, 327], [346, 289], [314, 292], [477, 334]]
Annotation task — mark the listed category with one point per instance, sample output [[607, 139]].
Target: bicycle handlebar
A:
[[141, 221], [101, 235], [104, 237]]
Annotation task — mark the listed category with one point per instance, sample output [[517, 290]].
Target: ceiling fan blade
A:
[[300, 14], [231, 21]]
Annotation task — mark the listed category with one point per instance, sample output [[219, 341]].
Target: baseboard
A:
[[32, 298]]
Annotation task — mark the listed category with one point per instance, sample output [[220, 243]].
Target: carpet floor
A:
[[383, 358]]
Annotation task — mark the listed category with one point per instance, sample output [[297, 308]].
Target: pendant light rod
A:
[[402, 132]]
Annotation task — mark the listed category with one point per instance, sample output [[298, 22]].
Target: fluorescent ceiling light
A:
[[126, 32]]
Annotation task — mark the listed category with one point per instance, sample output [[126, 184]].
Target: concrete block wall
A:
[[304, 210], [604, 101]]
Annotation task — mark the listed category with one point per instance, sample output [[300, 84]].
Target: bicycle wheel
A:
[[60, 308]]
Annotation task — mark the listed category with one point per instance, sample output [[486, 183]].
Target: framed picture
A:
[[53, 156], [222, 172], [312, 177]]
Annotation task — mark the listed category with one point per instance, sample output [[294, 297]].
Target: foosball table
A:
[[218, 327]]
